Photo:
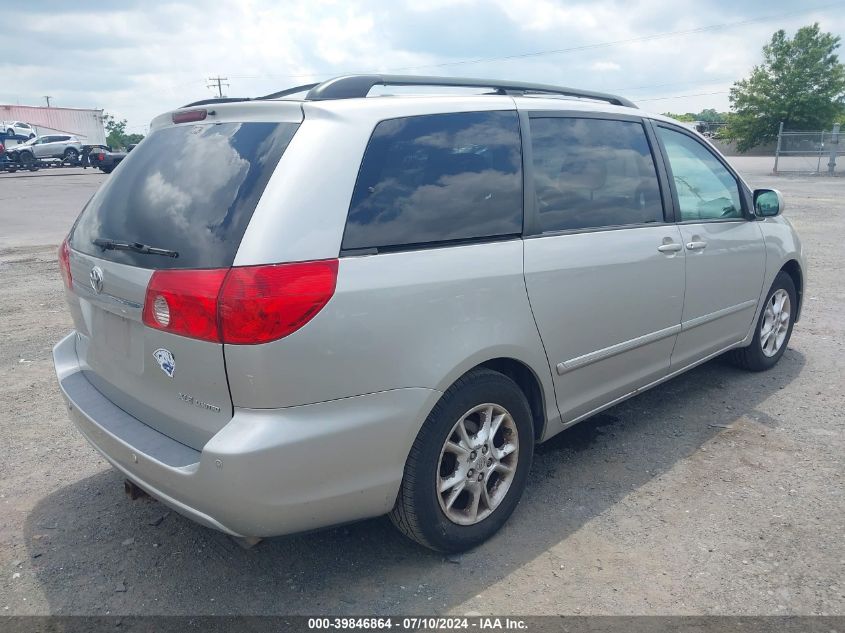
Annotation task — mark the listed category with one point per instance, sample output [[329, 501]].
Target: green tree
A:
[[689, 117], [116, 136], [710, 115], [800, 83]]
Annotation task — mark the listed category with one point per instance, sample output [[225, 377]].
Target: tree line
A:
[[800, 83], [116, 136]]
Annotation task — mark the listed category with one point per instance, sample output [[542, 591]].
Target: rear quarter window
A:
[[188, 188], [438, 178]]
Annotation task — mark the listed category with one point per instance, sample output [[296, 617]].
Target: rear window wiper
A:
[[135, 247]]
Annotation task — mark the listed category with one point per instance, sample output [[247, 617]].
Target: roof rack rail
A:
[[357, 86]]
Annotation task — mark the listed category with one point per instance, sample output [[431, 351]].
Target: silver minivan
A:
[[320, 306]]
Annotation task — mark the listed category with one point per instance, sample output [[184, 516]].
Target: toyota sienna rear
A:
[[293, 313]]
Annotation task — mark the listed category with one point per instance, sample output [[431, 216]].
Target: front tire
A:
[[469, 464], [27, 161], [773, 329]]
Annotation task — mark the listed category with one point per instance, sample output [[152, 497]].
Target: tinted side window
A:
[[706, 190], [435, 178], [591, 173]]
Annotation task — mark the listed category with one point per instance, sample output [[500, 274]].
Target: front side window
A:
[[593, 173], [438, 178], [706, 190]]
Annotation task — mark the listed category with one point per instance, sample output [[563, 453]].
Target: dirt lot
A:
[[720, 492]]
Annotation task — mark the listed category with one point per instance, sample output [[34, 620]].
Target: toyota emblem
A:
[[96, 279]]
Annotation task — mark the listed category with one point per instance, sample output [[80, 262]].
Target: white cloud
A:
[[137, 59], [605, 66]]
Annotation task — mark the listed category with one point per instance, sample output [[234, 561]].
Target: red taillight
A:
[[101, 156], [264, 303], [188, 298], [186, 116], [243, 306], [64, 264]]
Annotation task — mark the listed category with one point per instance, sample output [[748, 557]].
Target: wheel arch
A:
[[793, 269], [528, 382]]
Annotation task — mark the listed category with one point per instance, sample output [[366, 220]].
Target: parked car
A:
[[9, 161], [61, 146], [18, 128], [291, 313], [105, 159]]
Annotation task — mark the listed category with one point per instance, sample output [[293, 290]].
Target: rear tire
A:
[[496, 473], [773, 328], [10, 132], [71, 156]]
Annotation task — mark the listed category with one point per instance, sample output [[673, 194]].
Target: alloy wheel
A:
[[775, 324], [477, 464]]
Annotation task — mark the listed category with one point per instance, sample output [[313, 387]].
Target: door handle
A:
[[671, 247], [694, 246]]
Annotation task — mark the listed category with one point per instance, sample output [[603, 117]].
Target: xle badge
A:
[[166, 361]]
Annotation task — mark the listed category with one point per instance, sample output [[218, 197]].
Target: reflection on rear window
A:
[[189, 188]]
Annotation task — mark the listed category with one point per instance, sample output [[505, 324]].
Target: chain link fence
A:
[[809, 152]]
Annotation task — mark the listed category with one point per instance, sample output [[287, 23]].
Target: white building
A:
[[86, 124]]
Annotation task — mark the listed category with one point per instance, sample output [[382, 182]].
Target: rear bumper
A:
[[268, 471]]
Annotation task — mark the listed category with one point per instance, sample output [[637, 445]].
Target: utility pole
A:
[[777, 149], [47, 98], [219, 81], [834, 148]]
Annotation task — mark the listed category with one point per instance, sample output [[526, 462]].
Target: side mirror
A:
[[768, 202]]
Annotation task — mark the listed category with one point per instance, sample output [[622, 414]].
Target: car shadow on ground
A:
[[95, 552]]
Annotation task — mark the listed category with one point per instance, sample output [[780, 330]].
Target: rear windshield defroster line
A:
[[190, 189]]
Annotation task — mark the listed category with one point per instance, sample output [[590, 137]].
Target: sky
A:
[[139, 58]]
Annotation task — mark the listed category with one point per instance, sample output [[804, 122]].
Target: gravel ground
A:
[[719, 492]]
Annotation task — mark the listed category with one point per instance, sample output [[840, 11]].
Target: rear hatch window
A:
[[191, 189]]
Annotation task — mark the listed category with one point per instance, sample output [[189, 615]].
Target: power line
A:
[[698, 94], [632, 40], [716, 80], [560, 51]]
